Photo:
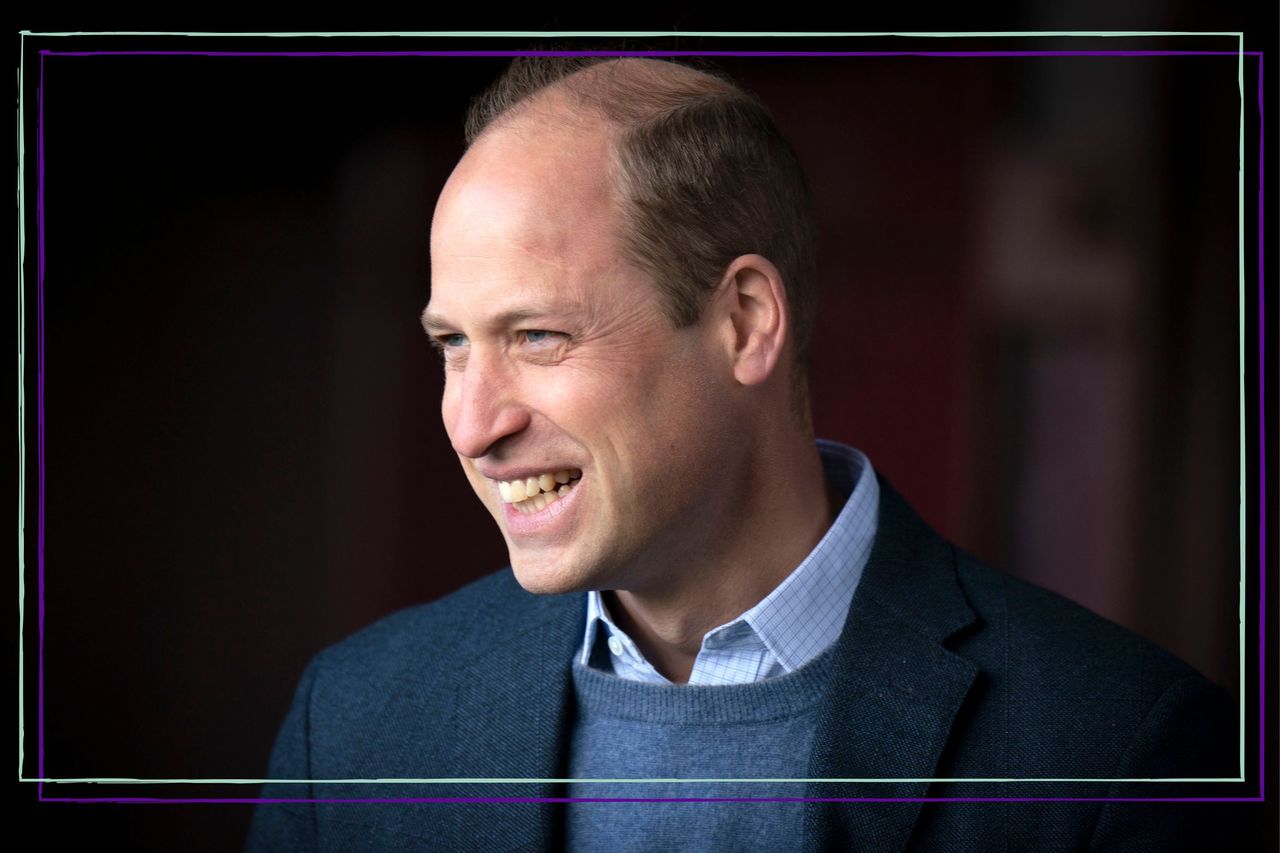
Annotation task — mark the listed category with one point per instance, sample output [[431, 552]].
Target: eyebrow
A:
[[435, 323]]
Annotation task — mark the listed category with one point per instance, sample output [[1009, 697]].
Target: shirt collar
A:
[[805, 613]]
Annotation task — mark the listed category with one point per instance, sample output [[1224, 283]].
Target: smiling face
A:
[[559, 360]]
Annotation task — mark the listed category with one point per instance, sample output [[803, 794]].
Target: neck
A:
[[784, 509]]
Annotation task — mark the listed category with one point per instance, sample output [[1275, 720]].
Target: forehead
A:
[[529, 213]]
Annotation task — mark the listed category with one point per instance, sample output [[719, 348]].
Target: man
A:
[[622, 294]]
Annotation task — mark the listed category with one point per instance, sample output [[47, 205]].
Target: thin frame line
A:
[[214, 800], [22, 409], [515, 780], [1240, 54], [771, 54], [659, 33]]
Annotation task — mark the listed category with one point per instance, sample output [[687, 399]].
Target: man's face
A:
[[559, 360]]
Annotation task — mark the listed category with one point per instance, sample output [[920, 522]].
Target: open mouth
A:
[[532, 494]]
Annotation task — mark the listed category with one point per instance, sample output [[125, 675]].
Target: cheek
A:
[[479, 484], [584, 397], [642, 404], [677, 420], [693, 416]]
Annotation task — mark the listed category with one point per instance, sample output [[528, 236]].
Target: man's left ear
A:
[[756, 305]]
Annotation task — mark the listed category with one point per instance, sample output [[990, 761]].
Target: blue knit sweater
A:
[[633, 730]]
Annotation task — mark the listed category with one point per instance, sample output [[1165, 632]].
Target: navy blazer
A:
[[946, 669]]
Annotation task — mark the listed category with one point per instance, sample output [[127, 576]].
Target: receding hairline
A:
[[624, 91]]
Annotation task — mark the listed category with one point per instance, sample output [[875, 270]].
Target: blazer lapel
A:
[[511, 721], [895, 689]]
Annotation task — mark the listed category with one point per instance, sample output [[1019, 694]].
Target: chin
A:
[[541, 579]]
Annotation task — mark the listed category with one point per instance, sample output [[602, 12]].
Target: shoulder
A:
[[422, 639], [1087, 692], [402, 677], [1055, 691], [1058, 641], [1006, 627]]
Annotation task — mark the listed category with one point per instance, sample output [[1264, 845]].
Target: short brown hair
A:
[[705, 177]]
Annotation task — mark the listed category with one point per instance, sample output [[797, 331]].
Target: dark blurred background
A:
[[1029, 324]]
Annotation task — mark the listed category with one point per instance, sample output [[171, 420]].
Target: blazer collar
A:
[[895, 689]]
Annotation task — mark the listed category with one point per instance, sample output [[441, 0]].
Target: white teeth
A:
[[563, 490], [547, 482], [504, 488], [517, 491], [531, 486]]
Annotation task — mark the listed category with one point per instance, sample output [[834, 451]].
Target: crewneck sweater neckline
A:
[[604, 695]]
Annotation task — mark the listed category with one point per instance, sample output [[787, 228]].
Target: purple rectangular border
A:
[[40, 420], [384, 800], [650, 53]]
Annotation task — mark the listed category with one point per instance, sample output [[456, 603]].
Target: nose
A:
[[481, 405]]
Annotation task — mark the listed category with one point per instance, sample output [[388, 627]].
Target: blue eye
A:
[[541, 343], [450, 347]]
